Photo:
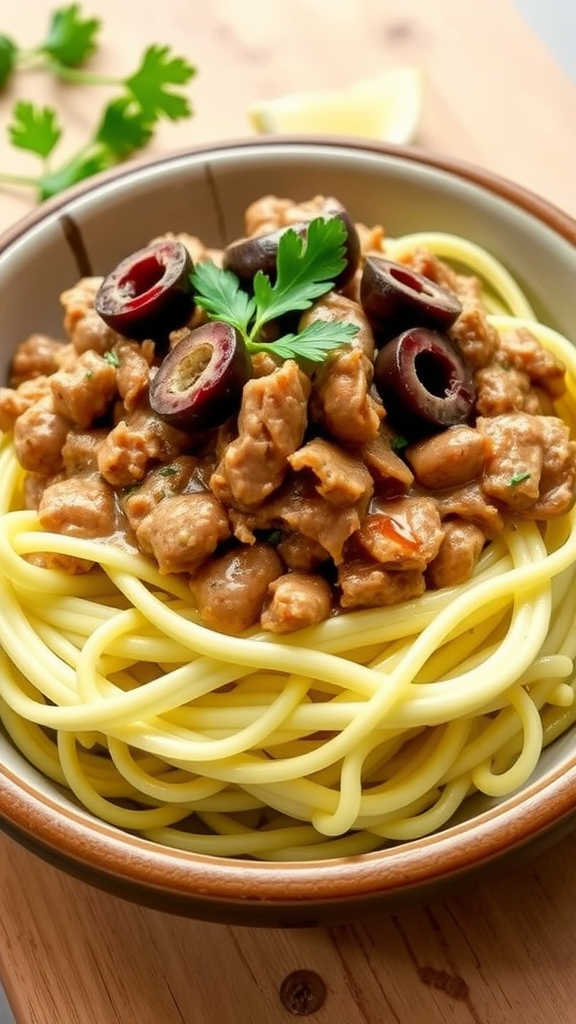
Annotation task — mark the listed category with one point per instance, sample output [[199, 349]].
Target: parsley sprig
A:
[[126, 124], [306, 269]]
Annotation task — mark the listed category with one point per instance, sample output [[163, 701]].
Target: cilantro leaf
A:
[[85, 165], [34, 128], [123, 129], [8, 53], [71, 39], [219, 293], [314, 342], [305, 269], [148, 84], [125, 125]]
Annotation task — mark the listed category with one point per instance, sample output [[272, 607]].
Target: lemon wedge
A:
[[387, 107]]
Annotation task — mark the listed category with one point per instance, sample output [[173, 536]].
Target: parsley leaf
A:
[[148, 84], [313, 343], [220, 294], [71, 39], [305, 270], [34, 128], [303, 266]]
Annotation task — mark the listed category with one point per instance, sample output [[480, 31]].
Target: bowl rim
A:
[[176, 879]]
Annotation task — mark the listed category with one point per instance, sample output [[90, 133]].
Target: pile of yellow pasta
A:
[[369, 728]]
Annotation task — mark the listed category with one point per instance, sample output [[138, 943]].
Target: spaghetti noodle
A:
[[371, 727]]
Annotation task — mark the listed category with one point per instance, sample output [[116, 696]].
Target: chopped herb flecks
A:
[[519, 478]]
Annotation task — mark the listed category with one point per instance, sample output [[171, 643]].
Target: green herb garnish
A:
[[112, 358], [399, 443], [518, 478], [167, 471], [126, 124], [306, 269]]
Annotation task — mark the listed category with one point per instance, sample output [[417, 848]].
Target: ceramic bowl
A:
[[205, 192]]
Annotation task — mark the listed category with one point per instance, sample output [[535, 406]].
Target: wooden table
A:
[[503, 952]]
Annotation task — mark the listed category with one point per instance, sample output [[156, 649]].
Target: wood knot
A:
[[302, 993], [452, 984]]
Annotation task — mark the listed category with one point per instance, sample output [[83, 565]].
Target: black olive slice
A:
[[245, 256], [199, 383], [424, 382], [394, 297], [149, 293]]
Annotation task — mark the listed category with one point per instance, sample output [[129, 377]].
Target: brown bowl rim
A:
[[213, 886]]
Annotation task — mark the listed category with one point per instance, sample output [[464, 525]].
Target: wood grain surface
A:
[[503, 952]]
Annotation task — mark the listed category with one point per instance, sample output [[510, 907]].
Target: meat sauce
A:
[[307, 503]]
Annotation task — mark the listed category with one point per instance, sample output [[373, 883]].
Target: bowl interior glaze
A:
[[204, 192]]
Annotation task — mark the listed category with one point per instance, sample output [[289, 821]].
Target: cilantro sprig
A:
[[127, 123], [306, 269]]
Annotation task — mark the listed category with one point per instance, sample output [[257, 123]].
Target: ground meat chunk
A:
[[522, 377], [79, 507], [133, 373], [229, 591], [160, 483], [458, 556], [91, 332], [15, 401], [298, 510], [80, 451], [531, 466], [469, 502], [341, 402], [467, 287], [301, 553], [367, 585], [85, 328], [35, 357], [402, 534], [271, 427], [77, 300], [515, 459], [272, 212], [476, 338], [327, 525], [336, 308], [501, 389], [264, 363], [294, 601], [39, 435], [522, 351], [392, 477], [134, 444], [372, 239], [182, 530], [448, 459], [195, 246], [84, 393], [341, 478], [33, 487]]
